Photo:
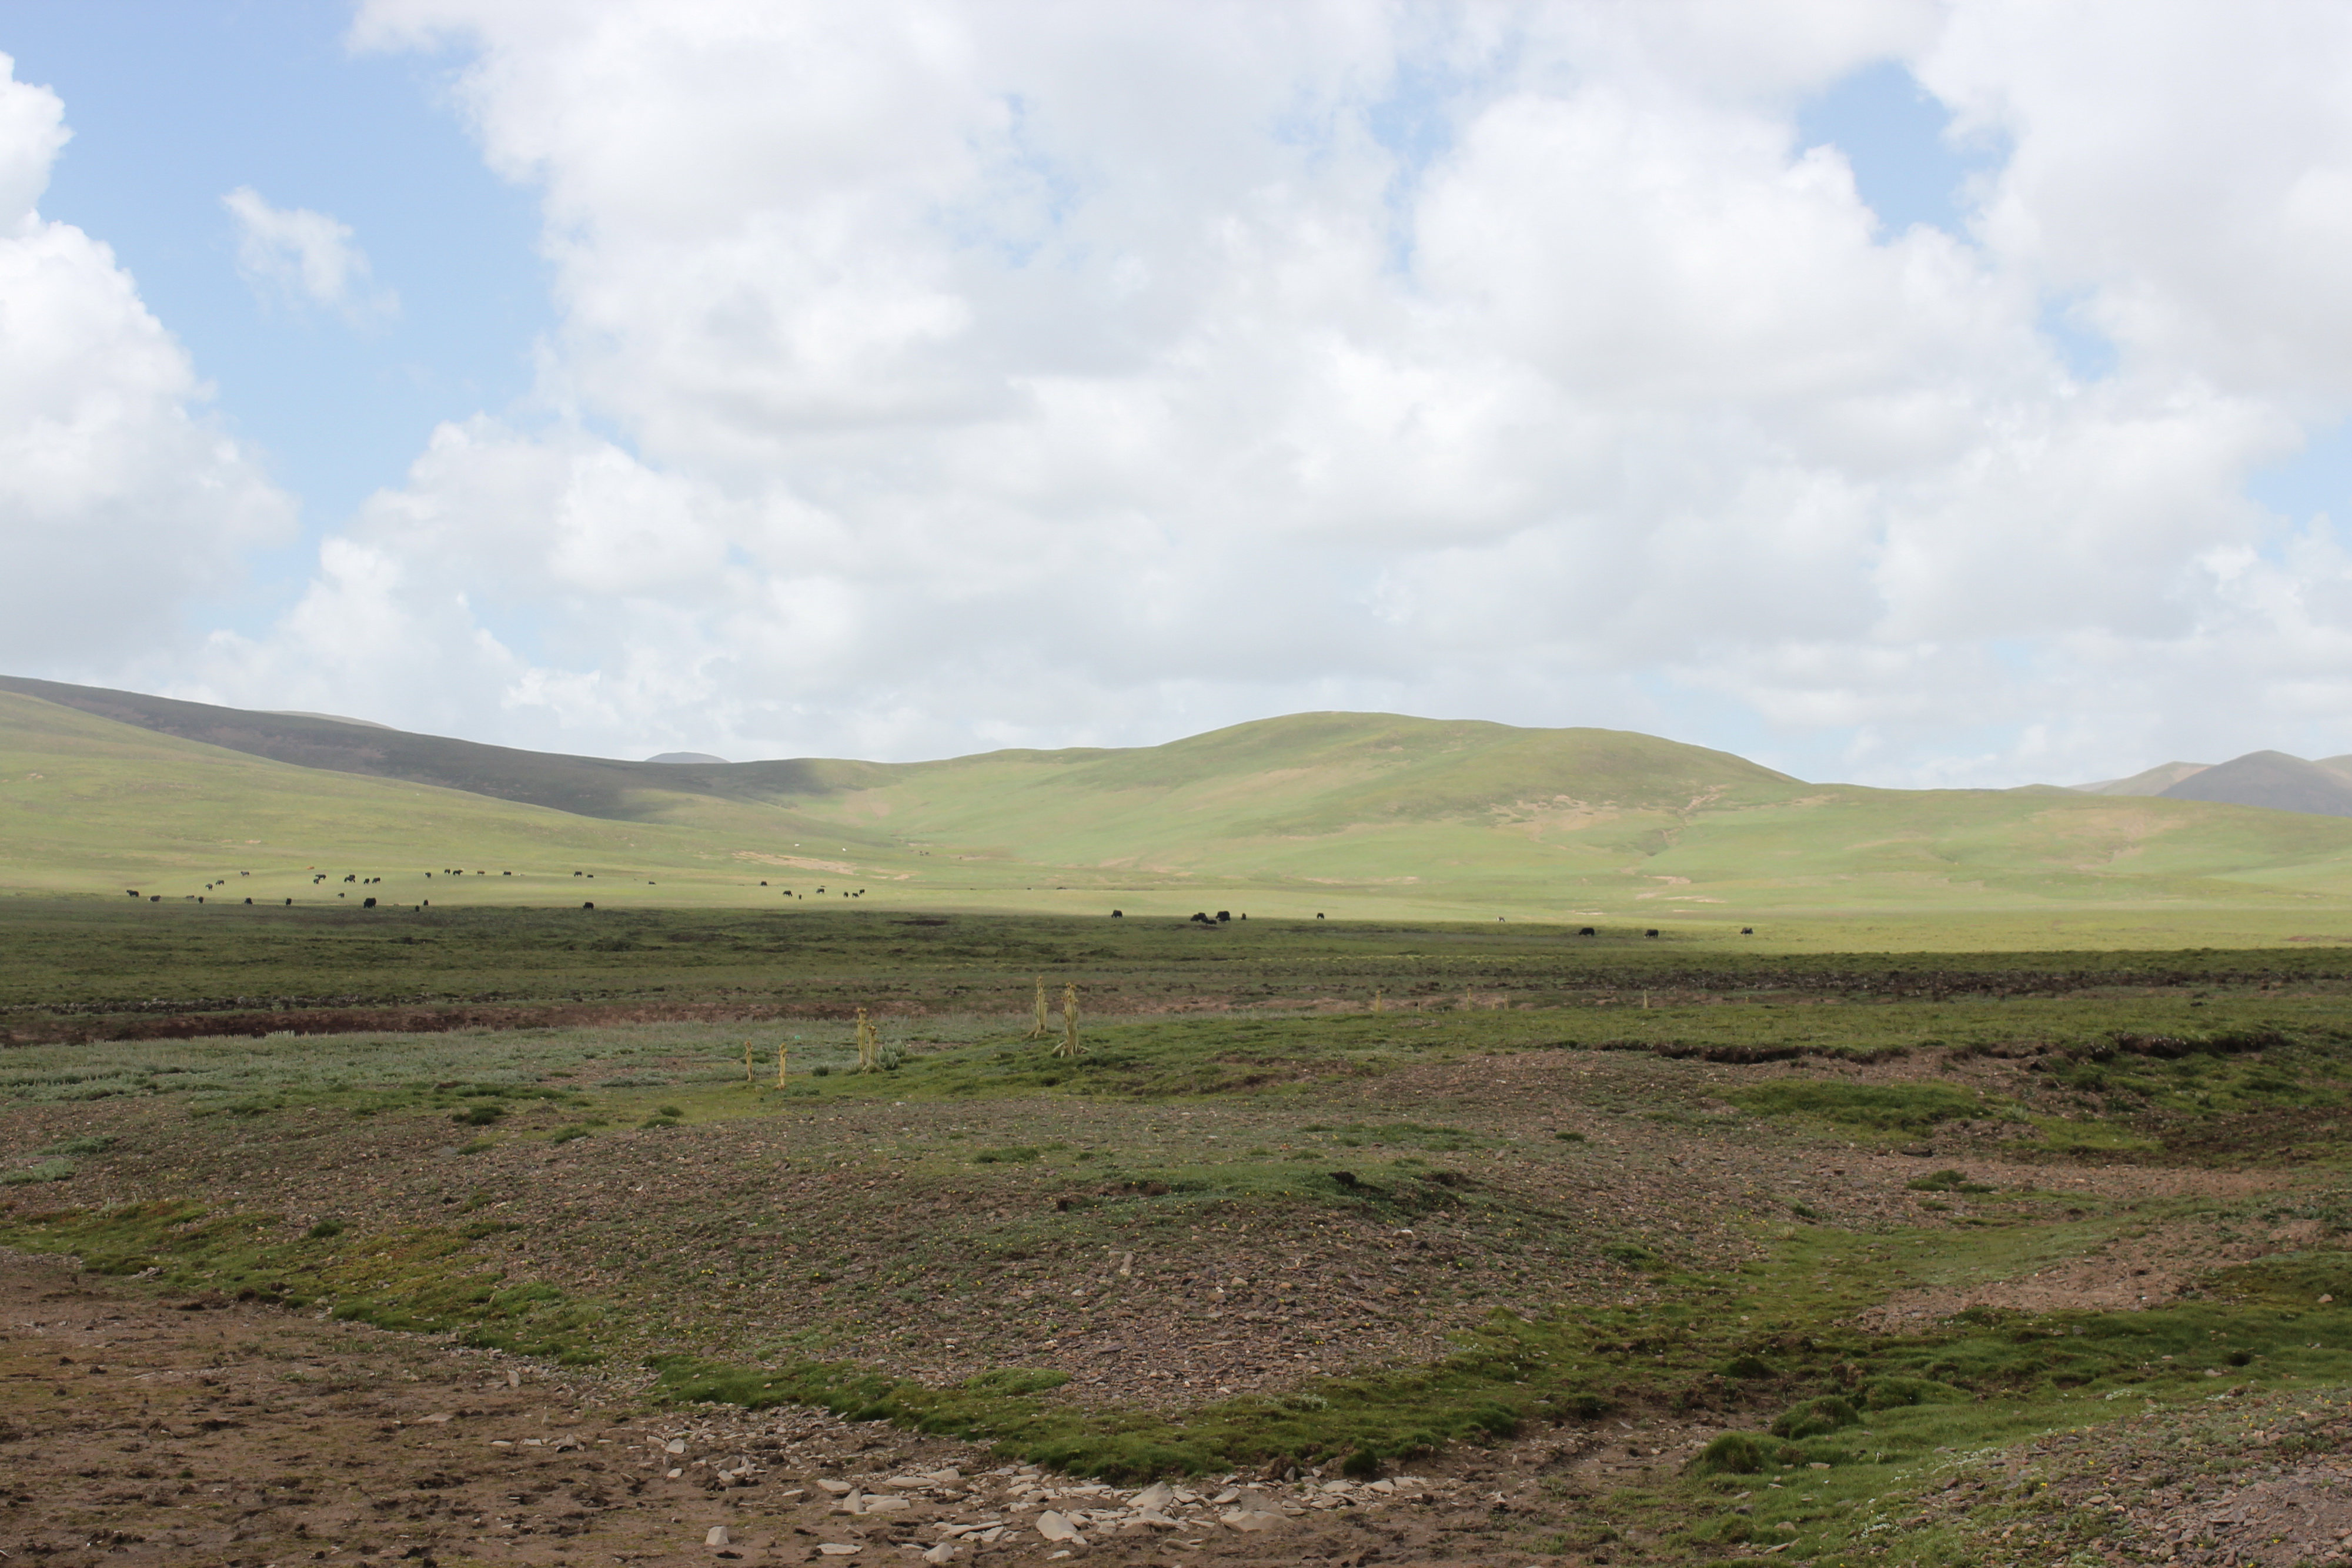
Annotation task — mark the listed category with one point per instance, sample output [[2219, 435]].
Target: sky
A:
[[1910, 393]]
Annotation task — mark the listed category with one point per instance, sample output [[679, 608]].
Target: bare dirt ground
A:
[[196, 1431], [754, 1228], [2245, 1479], [1163, 1254], [783, 1223]]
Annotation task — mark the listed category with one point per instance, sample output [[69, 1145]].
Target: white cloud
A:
[[302, 257], [120, 500], [932, 375]]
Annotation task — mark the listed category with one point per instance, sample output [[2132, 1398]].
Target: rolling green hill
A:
[[1363, 815]]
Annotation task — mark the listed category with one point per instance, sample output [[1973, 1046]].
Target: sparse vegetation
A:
[[1763, 1236]]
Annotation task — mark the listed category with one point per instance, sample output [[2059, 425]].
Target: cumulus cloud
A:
[[936, 375], [301, 257], [120, 499]]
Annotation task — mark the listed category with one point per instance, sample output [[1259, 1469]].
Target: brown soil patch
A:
[[182, 1432]]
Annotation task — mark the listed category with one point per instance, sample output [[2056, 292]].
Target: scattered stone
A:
[[838, 1489], [1055, 1527], [716, 1536], [945, 1552], [837, 1548], [1154, 1498]]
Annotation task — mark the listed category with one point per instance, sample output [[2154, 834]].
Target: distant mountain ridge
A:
[[1355, 768], [2274, 780], [2155, 782]]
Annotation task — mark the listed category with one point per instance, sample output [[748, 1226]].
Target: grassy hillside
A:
[[1352, 815], [584, 786], [88, 805]]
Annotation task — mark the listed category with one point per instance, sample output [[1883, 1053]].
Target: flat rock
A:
[[1054, 1527], [716, 1536], [1252, 1521]]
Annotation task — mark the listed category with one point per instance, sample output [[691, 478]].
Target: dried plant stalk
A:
[[780, 1064], [1069, 1046], [1039, 1032], [868, 1045]]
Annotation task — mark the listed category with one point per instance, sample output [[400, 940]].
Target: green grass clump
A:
[[1742, 1454], [1015, 1380], [1825, 1413], [1945, 1181], [86, 1144]]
